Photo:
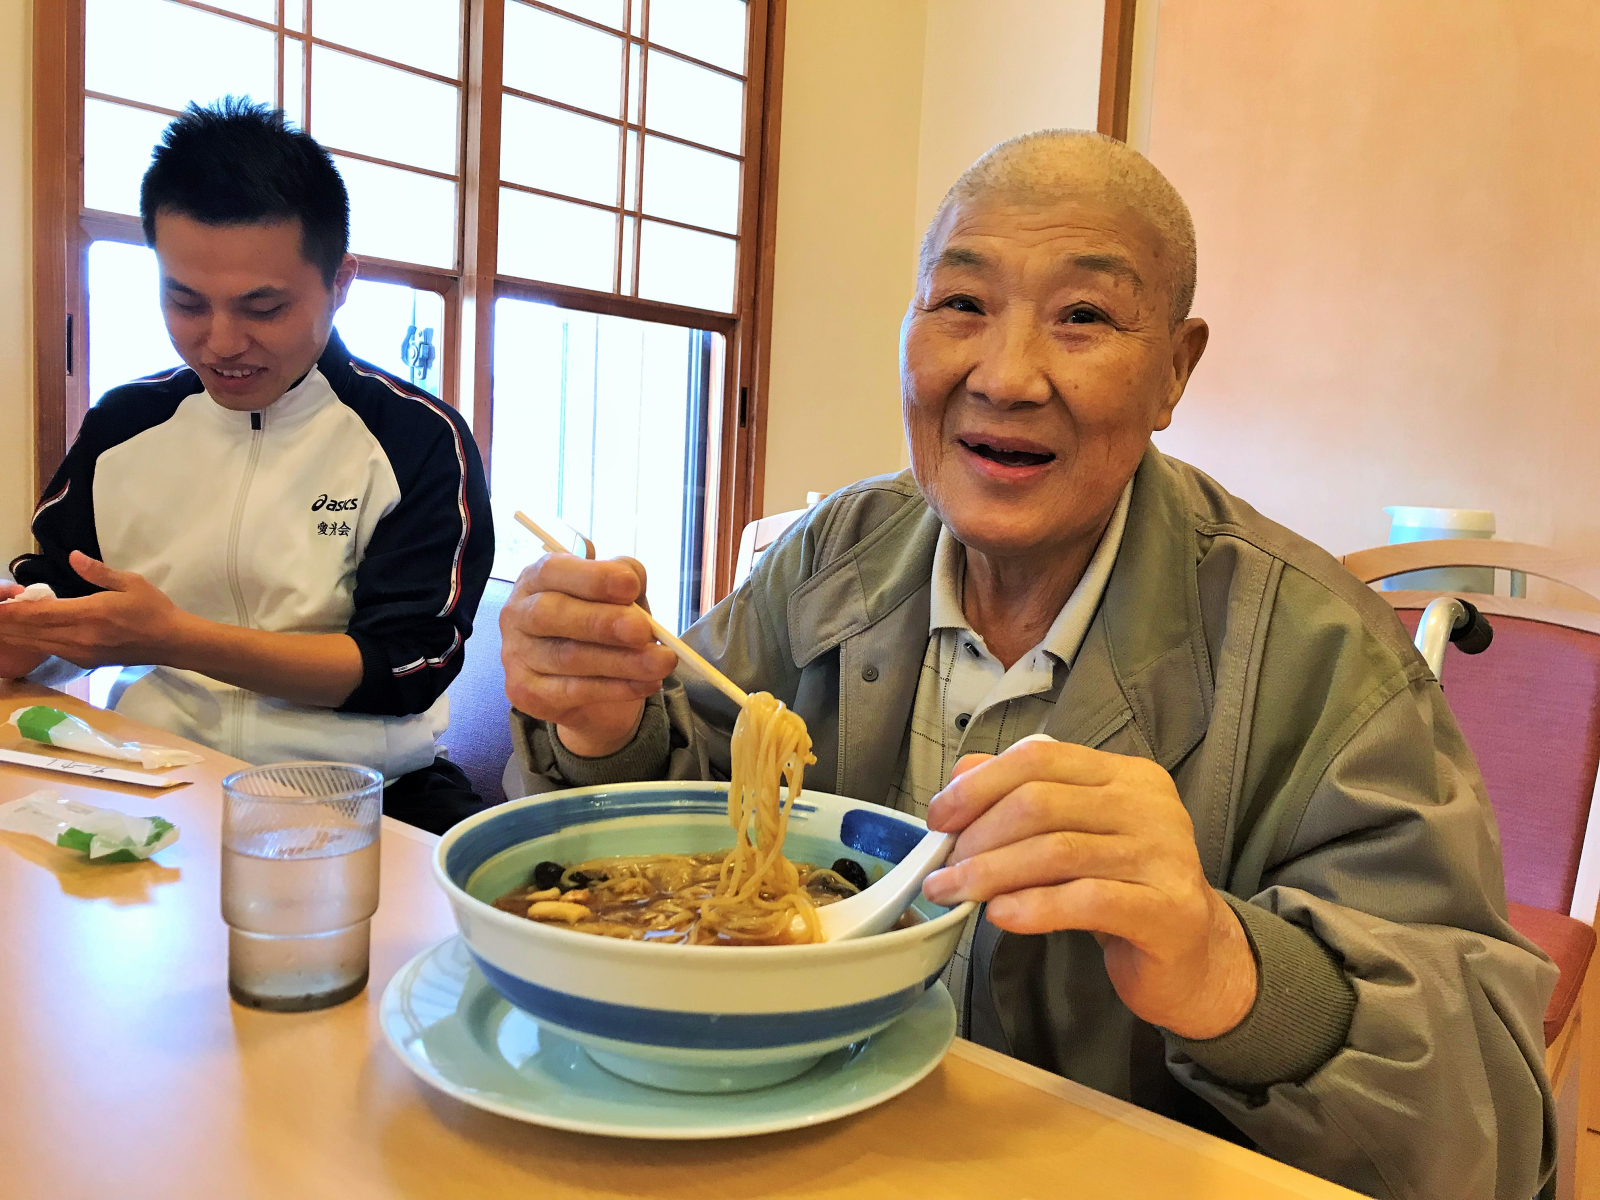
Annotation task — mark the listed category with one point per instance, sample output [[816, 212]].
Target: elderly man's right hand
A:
[[578, 652]]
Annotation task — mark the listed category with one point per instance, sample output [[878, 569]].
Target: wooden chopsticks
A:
[[667, 638]]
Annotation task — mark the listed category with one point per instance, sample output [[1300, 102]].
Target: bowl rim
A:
[[659, 952]]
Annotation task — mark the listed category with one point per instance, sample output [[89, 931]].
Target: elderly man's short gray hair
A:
[[1059, 164]]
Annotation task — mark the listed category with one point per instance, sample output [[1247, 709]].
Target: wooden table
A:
[[126, 1071]]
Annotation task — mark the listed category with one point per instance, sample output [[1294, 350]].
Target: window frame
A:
[[735, 431]]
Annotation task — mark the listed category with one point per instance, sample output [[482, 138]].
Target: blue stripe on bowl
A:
[[511, 828], [878, 834], [698, 1031]]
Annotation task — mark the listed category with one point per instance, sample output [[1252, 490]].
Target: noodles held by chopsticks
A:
[[760, 895]]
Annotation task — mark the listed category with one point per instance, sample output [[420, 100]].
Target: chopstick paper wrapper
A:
[[71, 766], [105, 835], [52, 727]]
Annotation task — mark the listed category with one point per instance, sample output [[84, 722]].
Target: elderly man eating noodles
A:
[[1254, 881]]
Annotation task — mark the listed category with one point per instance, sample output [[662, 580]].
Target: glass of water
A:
[[299, 882]]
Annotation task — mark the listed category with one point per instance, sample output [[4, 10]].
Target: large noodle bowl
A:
[[646, 1002], [750, 895]]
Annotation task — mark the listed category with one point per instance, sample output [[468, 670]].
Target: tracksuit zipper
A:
[[239, 698]]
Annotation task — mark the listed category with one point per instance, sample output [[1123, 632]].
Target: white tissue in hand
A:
[[34, 591]]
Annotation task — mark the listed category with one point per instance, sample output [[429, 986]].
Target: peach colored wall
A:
[[1398, 211]]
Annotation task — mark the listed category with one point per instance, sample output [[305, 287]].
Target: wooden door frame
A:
[[742, 462], [59, 334], [1116, 68]]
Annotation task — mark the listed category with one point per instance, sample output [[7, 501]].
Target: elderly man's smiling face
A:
[[1037, 357]]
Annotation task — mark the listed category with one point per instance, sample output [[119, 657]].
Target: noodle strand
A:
[[759, 895]]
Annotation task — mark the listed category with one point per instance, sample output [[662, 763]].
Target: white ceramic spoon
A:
[[875, 908]]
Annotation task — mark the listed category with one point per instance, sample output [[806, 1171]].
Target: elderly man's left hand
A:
[[1056, 836]]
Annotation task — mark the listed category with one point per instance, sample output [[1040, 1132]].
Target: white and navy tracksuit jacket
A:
[[355, 504]]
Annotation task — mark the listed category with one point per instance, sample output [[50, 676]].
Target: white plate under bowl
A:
[[457, 1034]]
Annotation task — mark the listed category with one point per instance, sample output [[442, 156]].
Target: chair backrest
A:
[[1381, 562], [1529, 707], [762, 532], [479, 736]]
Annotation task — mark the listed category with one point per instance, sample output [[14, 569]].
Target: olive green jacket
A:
[[1396, 1044]]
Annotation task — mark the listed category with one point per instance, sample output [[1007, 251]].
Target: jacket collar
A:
[[309, 393], [868, 582], [285, 414], [1144, 657], [334, 363], [1153, 634]]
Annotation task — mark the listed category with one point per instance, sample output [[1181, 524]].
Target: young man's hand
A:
[[15, 662], [132, 621]]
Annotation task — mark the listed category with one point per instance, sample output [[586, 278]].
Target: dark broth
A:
[[657, 902]]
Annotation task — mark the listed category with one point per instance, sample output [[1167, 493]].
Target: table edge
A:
[[1237, 1157]]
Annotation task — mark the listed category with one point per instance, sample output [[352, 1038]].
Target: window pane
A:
[[710, 30], [117, 141], [127, 337], [681, 266], [370, 109], [397, 329], [168, 54], [597, 421], [556, 242], [606, 12], [692, 186], [694, 103], [420, 33], [630, 172], [558, 151], [634, 87], [261, 10], [294, 81], [563, 60], [400, 214], [294, 14]]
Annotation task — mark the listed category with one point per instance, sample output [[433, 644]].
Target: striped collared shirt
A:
[[968, 703]]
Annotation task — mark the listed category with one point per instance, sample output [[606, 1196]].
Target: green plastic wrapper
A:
[[103, 834], [52, 727]]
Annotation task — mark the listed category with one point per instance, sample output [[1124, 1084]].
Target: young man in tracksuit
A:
[[295, 541]]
